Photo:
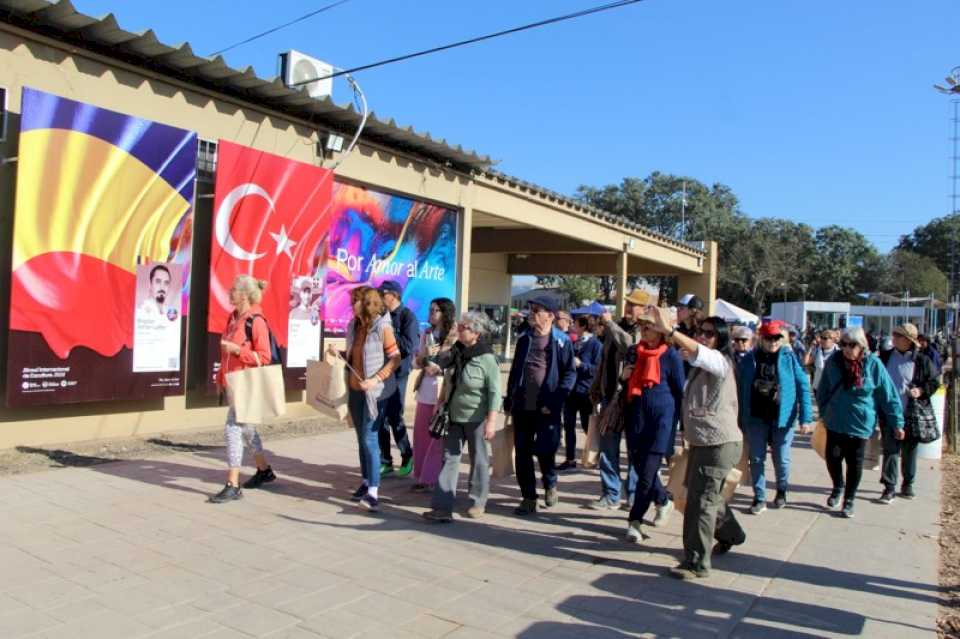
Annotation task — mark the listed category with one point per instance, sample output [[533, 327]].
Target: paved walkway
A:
[[131, 550]]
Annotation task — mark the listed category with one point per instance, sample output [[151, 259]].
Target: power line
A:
[[461, 43], [282, 26]]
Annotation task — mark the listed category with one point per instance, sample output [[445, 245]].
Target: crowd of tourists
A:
[[640, 380]]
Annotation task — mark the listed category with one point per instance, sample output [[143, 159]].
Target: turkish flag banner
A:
[[271, 219]]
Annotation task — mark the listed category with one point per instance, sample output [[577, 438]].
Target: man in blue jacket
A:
[[542, 375], [587, 352], [774, 396], [407, 331]]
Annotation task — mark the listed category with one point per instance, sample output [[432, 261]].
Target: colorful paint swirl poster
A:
[[377, 236], [99, 195]]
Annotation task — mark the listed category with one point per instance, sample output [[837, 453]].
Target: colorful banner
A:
[[271, 219], [99, 194], [376, 237]]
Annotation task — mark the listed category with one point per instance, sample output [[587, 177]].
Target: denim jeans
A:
[[391, 419], [759, 435], [609, 464], [367, 429], [535, 434]]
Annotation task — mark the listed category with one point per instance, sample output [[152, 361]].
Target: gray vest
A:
[[373, 361], [711, 408]]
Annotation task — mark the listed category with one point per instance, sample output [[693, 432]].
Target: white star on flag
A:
[[284, 243]]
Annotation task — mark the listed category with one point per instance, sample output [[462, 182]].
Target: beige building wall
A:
[[42, 63]]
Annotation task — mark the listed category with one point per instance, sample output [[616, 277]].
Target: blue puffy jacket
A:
[[793, 385], [590, 353], [558, 382], [853, 411]]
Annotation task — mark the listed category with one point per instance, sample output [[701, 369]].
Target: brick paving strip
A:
[[131, 549]]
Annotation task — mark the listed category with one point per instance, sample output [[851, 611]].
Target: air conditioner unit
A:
[[297, 68]]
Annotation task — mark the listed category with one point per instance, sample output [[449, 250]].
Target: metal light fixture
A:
[[953, 83], [334, 142]]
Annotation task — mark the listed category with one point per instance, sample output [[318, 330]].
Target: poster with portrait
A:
[[303, 325], [156, 318], [271, 220], [377, 236], [99, 193]]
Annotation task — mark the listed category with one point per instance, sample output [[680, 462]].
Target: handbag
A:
[[591, 449], [611, 416], [440, 422], [257, 394], [921, 422], [327, 385]]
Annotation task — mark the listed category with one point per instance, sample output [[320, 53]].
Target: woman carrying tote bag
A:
[[237, 352]]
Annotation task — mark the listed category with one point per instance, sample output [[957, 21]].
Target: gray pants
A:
[[235, 434], [707, 516], [445, 492]]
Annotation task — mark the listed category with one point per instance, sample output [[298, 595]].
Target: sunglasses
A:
[[848, 344], [772, 338], [741, 340], [707, 334]]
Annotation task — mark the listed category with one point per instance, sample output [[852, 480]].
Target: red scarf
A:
[[646, 372], [852, 373]]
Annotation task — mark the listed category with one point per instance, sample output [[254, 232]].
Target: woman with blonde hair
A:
[[373, 355], [854, 388], [245, 343]]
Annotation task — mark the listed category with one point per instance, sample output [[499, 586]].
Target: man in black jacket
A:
[[915, 379], [407, 331]]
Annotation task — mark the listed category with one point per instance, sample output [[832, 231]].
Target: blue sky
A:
[[818, 111]]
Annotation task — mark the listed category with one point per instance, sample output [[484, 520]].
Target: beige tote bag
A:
[[591, 448], [257, 394], [502, 450], [327, 386]]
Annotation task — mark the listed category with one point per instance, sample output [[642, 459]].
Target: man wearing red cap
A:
[[774, 395]]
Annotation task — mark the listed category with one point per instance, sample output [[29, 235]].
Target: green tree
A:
[[841, 257], [938, 240], [577, 288], [914, 275]]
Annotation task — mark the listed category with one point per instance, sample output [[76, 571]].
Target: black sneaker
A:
[[721, 548], [229, 493], [526, 507], [686, 571], [370, 503], [906, 491], [359, 493], [848, 509], [834, 499], [259, 478], [781, 499], [888, 496], [570, 464]]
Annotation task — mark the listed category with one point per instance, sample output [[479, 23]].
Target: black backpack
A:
[[274, 349]]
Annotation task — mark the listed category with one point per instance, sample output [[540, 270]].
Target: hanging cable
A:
[[490, 36], [282, 26]]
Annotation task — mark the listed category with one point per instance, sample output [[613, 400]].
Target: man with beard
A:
[[156, 304]]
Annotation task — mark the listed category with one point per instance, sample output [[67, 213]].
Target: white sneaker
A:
[[634, 533], [662, 518]]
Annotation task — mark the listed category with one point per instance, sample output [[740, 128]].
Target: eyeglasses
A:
[[707, 334], [741, 340], [826, 338], [846, 344]]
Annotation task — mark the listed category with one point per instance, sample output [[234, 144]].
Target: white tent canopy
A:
[[733, 313]]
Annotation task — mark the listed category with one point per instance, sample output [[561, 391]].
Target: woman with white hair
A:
[[245, 344], [854, 388], [472, 404]]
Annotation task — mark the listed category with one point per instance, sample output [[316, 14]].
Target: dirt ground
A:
[[28, 459], [949, 622]]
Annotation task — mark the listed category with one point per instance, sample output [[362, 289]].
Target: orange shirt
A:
[[236, 332], [355, 356]]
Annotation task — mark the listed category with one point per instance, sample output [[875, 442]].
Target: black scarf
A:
[[463, 354]]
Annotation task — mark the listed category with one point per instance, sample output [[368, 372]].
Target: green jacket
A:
[[477, 391], [854, 411]]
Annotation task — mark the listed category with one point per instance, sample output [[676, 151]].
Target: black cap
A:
[[389, 286]]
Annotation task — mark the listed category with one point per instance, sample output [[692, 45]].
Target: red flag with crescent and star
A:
[[271, 217]]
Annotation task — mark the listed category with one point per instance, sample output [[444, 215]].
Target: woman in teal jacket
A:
[[774, 394], [854, 388]]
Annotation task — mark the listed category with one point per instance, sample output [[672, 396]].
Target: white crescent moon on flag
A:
[[222, 226]]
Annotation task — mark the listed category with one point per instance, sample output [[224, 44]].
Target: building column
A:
[[623, 259], [703, 284], [466, 247]]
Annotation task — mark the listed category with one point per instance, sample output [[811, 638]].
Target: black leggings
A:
[[845, 448]]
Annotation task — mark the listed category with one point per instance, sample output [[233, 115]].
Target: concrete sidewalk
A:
[[131, 549]]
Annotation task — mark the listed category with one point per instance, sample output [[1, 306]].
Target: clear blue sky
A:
[[819, 111]]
